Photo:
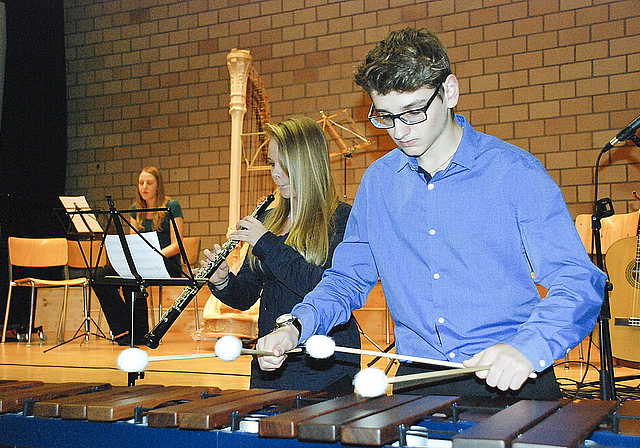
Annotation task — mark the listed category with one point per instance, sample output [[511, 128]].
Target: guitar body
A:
[[623, 267]]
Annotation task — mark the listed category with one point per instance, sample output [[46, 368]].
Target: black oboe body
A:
[[152, 339]]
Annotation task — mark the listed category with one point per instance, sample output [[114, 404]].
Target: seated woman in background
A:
[[150, 194], [289, 254]]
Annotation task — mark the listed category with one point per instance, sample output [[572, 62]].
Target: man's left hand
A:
[[509, 368]]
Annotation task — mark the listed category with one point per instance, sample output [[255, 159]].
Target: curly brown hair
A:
[[404, 61]]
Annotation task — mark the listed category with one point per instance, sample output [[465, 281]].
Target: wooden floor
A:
[[96, 361]]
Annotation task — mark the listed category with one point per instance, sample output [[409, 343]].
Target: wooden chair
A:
[[81, 255], [192, 249], [39, 253]]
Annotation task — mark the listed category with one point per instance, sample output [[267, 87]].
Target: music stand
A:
[[83, 226], [137, 280]]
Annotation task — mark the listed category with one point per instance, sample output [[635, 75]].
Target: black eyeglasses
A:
[[409, 117]]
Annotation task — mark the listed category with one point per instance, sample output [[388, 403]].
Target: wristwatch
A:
[[289, 319]]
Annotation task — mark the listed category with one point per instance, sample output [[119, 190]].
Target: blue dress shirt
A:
[[455, 257]]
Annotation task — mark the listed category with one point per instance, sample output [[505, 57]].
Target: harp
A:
[[250, 178], [249, 182]]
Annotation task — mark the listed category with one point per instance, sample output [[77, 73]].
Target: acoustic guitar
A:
[[623, 267]]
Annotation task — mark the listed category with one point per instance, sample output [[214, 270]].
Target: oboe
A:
[[152, 339]]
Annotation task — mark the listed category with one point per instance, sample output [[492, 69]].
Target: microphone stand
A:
[[603, 208]]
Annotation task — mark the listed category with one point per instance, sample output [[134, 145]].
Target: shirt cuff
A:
[[308, 324], [534, 347]]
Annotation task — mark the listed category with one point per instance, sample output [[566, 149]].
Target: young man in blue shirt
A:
[[454, 223]]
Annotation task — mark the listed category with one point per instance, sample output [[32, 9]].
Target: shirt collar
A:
[[465, 155]]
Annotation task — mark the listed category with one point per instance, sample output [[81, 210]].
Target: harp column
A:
[[239, 63]]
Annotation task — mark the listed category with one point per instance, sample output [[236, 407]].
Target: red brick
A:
[[514, 79], [528, 94], [484, 116], [469, 69], [455, 21], [592, 122], [592, 86], [544, 75], [483, 50], [469, 36], [527, 26], [543, 7], [499, 98], [576, 71], [513, 11], [558, 21], [441, 7], [622, 9], [530, 128], [576, 176], [560, 126], [576, 106], [544, 110], [484, 16], [514, 113], [573, 36], [559, 56], [512, 46], [497, 31], [500, 130], [484, 83], [559, 90], [608, 66], [623, 45], [527, 60], [595, 50], [561, 160]]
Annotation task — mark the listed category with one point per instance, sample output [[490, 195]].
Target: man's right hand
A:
[[279, 341]]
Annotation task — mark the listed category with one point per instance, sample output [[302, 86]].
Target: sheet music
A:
[[149, 264], [85, 222]]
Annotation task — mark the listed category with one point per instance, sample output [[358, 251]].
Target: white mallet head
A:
[[320, 347], [370, 383], [228, 348], [133, 360]]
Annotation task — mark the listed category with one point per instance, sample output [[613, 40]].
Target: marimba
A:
[[34, 414]]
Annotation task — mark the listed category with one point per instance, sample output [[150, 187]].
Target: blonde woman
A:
[[289, 253], [150, 194]]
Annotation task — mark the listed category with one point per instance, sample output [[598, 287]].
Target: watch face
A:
[[285, 319]]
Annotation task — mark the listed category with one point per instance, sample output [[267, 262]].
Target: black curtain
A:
[[33, 132]]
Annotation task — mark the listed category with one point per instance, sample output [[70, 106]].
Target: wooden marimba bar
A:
[[93, 414]]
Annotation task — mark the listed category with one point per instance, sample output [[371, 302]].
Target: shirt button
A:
[[441, 320], [430, 186], [436, 276], [452, 355], [542, 363], [432, 232]]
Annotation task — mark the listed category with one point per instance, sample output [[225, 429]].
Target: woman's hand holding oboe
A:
[[249, 229], [220, 277]]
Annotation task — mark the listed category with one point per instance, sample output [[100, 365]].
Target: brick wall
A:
[[148, 85]]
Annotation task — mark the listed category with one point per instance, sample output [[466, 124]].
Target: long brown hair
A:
[[304, 156], [161, 201]]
